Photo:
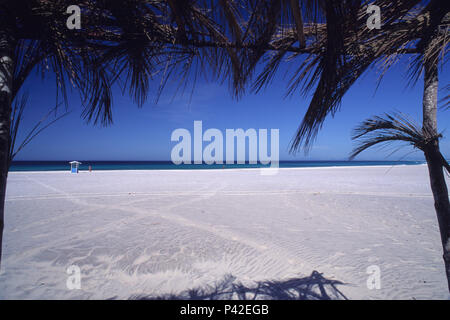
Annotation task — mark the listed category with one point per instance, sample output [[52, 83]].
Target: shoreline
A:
[[223, 169]]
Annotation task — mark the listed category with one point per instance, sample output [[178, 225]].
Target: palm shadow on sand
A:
[[313, 287]]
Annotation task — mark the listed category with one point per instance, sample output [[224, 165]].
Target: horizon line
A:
[[303, 160]]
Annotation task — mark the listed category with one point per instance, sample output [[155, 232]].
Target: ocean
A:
[[168, 165]]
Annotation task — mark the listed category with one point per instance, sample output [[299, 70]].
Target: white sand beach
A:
[[159, 233]]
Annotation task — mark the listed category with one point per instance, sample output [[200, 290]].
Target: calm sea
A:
[[167, 165]]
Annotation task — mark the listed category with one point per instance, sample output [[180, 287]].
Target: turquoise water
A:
[[167, 165]]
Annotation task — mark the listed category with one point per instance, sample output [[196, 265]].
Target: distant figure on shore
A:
[[90, 168]]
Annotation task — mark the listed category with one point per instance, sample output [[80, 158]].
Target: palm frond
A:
[[348, 48], [445, 101], [390, 128], [16, 119], [334, 72]]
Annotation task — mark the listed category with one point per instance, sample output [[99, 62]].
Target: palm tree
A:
[[339, 48], [432, 46], [397, 127], [428, 29]]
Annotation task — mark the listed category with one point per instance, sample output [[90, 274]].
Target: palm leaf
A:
[[445, 101], [388, 129], [16, 120]]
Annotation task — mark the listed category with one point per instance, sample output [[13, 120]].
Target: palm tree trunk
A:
[[435, 163], [6, 81]]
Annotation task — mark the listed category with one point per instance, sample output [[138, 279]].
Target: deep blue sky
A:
[[144, 134]]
